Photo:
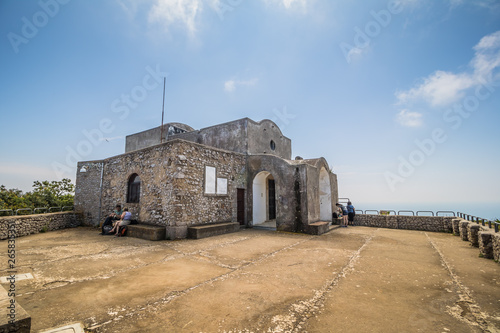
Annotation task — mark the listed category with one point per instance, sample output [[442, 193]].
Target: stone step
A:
[[146, 231], [208, 230], [318, 228]]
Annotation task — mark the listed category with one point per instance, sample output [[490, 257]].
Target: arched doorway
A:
[[325, 196], [264, 198]]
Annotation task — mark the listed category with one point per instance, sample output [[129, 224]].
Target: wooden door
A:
[[240, 205], [272, 199]]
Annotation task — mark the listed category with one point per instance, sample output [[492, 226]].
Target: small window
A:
[[134, 189], [272, 145]]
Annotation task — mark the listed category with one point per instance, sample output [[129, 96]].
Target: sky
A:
[[401, 97]]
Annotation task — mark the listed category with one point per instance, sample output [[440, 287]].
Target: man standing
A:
[[350, 212]]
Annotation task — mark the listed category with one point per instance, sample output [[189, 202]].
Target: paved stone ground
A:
[[356, 279]]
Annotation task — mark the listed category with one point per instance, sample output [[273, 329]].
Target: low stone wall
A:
[[32, 224], [481, 236], [477, 235], [424, 223]]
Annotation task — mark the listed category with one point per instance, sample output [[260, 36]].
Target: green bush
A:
[[44, 194]]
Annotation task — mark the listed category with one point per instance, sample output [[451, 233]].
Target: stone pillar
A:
[[473, 234], [463, 230], [456, 226], [486, 244], [496, 246]]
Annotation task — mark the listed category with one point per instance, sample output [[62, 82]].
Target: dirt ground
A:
[[352, 279]]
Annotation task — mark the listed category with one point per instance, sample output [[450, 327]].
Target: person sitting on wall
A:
[[351, 212], [125, 220], [113, 216]]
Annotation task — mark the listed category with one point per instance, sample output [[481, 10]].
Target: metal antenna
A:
[[162, 110]]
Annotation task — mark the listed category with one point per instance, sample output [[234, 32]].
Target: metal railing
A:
[[425, 211], [344, 200], [406, 211], [6, 211], [24, 209], [471, 218], [38, 210], [445, 212]]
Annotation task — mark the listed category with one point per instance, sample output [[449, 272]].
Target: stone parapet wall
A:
[[478, 235], [424, 223], [473, 234], [495, 240], [33, 224], [481, 236]]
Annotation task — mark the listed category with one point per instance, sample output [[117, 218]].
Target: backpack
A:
[[123, 231], [106, 229]]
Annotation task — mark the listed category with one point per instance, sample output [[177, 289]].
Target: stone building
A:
[[240, 171]]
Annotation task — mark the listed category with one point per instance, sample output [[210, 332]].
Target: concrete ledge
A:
[[317, 228], [144, 231], [203, 231], [176, 232], [21, 321]]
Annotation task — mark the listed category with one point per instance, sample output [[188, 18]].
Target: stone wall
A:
[[424, 223], [172, 189], [33, 224], [88, 191], [482, 237]]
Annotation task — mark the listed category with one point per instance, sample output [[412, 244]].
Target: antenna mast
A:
[[162, 110]]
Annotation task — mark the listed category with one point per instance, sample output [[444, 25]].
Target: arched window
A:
[[134, 188]]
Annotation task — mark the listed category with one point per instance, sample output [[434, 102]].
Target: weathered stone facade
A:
[[486, 244], [464, 230], [33, 224], [495, 239], [456, 226], [238, 171]]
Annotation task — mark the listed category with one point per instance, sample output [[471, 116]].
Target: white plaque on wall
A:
[[209, 180], [221, 185]]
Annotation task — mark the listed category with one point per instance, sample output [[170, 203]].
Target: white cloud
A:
[[172, 12], [442, 88], [408, 118], [439, 89], [230, 85]]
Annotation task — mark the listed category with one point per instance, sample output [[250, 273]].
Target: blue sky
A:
[[401, 97]]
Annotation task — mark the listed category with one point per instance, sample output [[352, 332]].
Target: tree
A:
[[44, 194], [53, 194], [12, 199]]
